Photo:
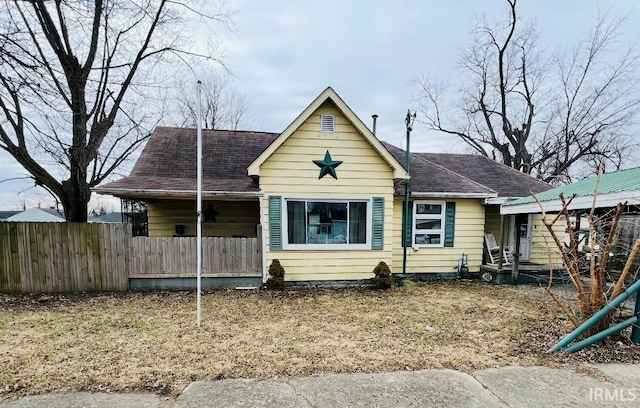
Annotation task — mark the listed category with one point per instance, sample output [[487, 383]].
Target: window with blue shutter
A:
[[326, 224], [449, 223], [275, 223], [377, 240], [432, 225]]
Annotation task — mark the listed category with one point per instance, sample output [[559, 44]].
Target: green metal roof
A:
[[618, 181]]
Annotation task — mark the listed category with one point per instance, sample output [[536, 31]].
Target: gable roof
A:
[[505, 180], [167, 164], [613, 188], [6, 214], [166, 167], [329, 94], [232, 159], [38, 215], [114, 217]]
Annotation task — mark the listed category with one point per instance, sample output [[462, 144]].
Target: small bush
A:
[[383, 279], [276, 276]]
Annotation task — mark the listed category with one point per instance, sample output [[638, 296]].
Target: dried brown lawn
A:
[[149, 341]]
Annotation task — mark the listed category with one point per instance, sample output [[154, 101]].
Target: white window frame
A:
[[333, 121], [326, 247], [415, 231]]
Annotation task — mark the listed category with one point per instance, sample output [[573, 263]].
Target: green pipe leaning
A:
[[608, 308], [635, 331], [602, 335]]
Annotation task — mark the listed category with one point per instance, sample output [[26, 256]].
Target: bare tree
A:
[[589, 268], [223, 107], [543, 115], [77, 81]]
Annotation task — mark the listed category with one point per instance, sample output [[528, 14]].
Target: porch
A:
[[527, 272]]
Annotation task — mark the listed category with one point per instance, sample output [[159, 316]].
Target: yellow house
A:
[[325, 196]]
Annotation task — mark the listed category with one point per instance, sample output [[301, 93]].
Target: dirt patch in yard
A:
[[149, 341]]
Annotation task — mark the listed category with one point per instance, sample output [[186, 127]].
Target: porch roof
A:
[[613, 188]]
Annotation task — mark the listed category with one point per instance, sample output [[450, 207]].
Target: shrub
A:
[[383, 279], [276, 276]]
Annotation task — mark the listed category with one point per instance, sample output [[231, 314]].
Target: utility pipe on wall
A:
[[407, 187]]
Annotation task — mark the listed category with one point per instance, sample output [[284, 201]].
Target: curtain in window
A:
[[296, 222], [357, 223]]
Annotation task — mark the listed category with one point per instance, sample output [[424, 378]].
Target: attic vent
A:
[[327, 123]]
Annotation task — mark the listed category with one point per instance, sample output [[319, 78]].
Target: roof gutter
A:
[[498, 200], [452, 195], [173, 193], [578, 203]]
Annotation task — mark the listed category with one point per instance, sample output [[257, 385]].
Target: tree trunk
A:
[[75, 200]]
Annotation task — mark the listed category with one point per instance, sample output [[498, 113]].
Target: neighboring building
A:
[[38, 215], [52, 215], [327, 194], [6, 214], [114, 217]]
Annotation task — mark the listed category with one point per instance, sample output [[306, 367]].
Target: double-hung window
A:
[[428, 223], [327, 224]]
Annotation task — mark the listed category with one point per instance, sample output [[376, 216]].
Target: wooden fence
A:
[[63, 257], [70, 257], [176, 257]]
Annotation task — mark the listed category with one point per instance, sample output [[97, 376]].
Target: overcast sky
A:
[[284, 53]]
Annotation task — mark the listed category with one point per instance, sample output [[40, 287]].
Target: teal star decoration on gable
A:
[[327, 166]]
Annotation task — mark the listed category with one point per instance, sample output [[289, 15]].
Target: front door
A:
[[524, 235]]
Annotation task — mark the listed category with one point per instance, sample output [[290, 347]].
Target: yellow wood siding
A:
[[469, 235], [540, 249], [492, 223], [290, 171], [235, 218]]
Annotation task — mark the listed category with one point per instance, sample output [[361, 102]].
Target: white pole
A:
[[199, 206]]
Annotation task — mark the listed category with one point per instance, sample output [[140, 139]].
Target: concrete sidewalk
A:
[[496, 387]]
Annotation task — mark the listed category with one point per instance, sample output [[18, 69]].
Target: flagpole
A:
[[199, 206]]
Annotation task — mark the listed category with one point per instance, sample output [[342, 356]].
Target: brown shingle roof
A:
[[505, 180], [168, 161], [168, 164], [429, 177]]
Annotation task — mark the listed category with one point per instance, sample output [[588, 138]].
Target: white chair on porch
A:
[[493, 250]]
